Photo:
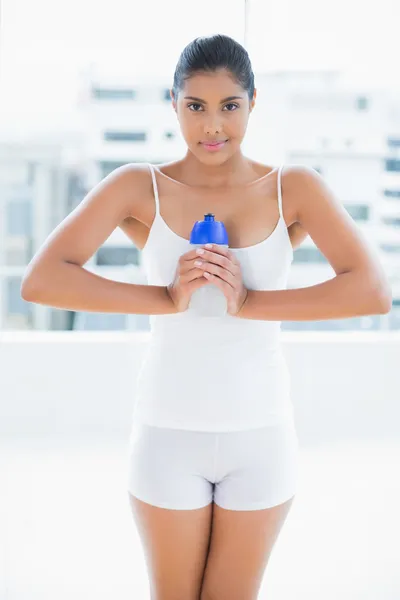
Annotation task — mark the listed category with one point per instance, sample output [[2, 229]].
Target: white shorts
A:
[[238, 470]]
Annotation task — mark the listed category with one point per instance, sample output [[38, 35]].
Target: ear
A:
[[253, 101], [171, 93]]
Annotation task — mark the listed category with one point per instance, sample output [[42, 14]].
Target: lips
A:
[[213, 146], [213, 142]]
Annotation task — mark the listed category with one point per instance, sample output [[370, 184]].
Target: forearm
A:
[[72, 287], [346, 295]]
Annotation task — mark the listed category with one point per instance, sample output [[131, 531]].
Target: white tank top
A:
[[214, 373]]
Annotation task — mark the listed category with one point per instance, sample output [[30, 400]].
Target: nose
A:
[[213, 127]]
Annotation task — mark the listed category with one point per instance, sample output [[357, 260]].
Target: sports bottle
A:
[[209, 300]]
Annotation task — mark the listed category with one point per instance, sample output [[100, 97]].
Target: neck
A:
[[234, 171]]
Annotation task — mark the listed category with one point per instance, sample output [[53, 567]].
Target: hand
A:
[[221, 267], [187, 279]]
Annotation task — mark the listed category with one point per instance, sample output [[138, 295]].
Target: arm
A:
[[56, 277], [297, 235], [360, 286]]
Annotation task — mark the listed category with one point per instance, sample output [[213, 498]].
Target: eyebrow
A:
[[205, 102]]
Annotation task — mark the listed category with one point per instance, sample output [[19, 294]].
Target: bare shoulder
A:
[[296, 172], [128, 172], [321, 212], [297, 182], [136, 173], [136, 183], [92, 221]]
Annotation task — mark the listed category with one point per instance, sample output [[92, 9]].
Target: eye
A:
[[199, 105], [194, 104], [231, 104]]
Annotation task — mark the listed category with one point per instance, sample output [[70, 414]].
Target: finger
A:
[[196, 284], [189, 271], [220, 273], [212, 258], [219, 249], [187, 275], [189, 255], [216, 258], [187, 261], [225, 286]]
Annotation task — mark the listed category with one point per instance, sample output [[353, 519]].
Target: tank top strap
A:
[[280, 191], [155, 188]]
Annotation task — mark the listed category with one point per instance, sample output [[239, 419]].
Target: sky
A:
[[44, 44]]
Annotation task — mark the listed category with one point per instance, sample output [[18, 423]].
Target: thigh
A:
[[171, 501], [175, 544], [240, 547], [255, 487]]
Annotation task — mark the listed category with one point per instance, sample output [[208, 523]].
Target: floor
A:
[[66, 529]]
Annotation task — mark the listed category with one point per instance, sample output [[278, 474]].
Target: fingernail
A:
[[209, 245], [200, 251]]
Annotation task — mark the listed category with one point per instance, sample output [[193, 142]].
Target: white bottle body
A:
[[209, 300]]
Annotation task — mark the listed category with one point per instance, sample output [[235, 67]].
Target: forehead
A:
[[217, 84]]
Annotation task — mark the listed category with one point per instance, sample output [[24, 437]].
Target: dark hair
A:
[[209, 53]]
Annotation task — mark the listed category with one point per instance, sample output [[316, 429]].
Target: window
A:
[[308, 255], [19, 217], [125, 136], [20, 255], [392, 164], [166, 95], [393, 221], [100, 322], [107, 166], [362, 103], [75, 190], [359, 212], [16, 305], [392, 193], [31, 173], [392, 248], [117, 256], [113, 94], [393, 142]]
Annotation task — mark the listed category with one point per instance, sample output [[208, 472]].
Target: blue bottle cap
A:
[[209, 231]]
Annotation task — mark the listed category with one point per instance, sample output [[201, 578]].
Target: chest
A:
[[249, 215], [264, 265]]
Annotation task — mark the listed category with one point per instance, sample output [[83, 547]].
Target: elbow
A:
[[373, 295], [35, 279], [41, 280], [30, 284], [28, 290], [383, 301], [385, 304], [377, 289]]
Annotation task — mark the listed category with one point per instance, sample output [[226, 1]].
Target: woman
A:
[[213, 451]]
